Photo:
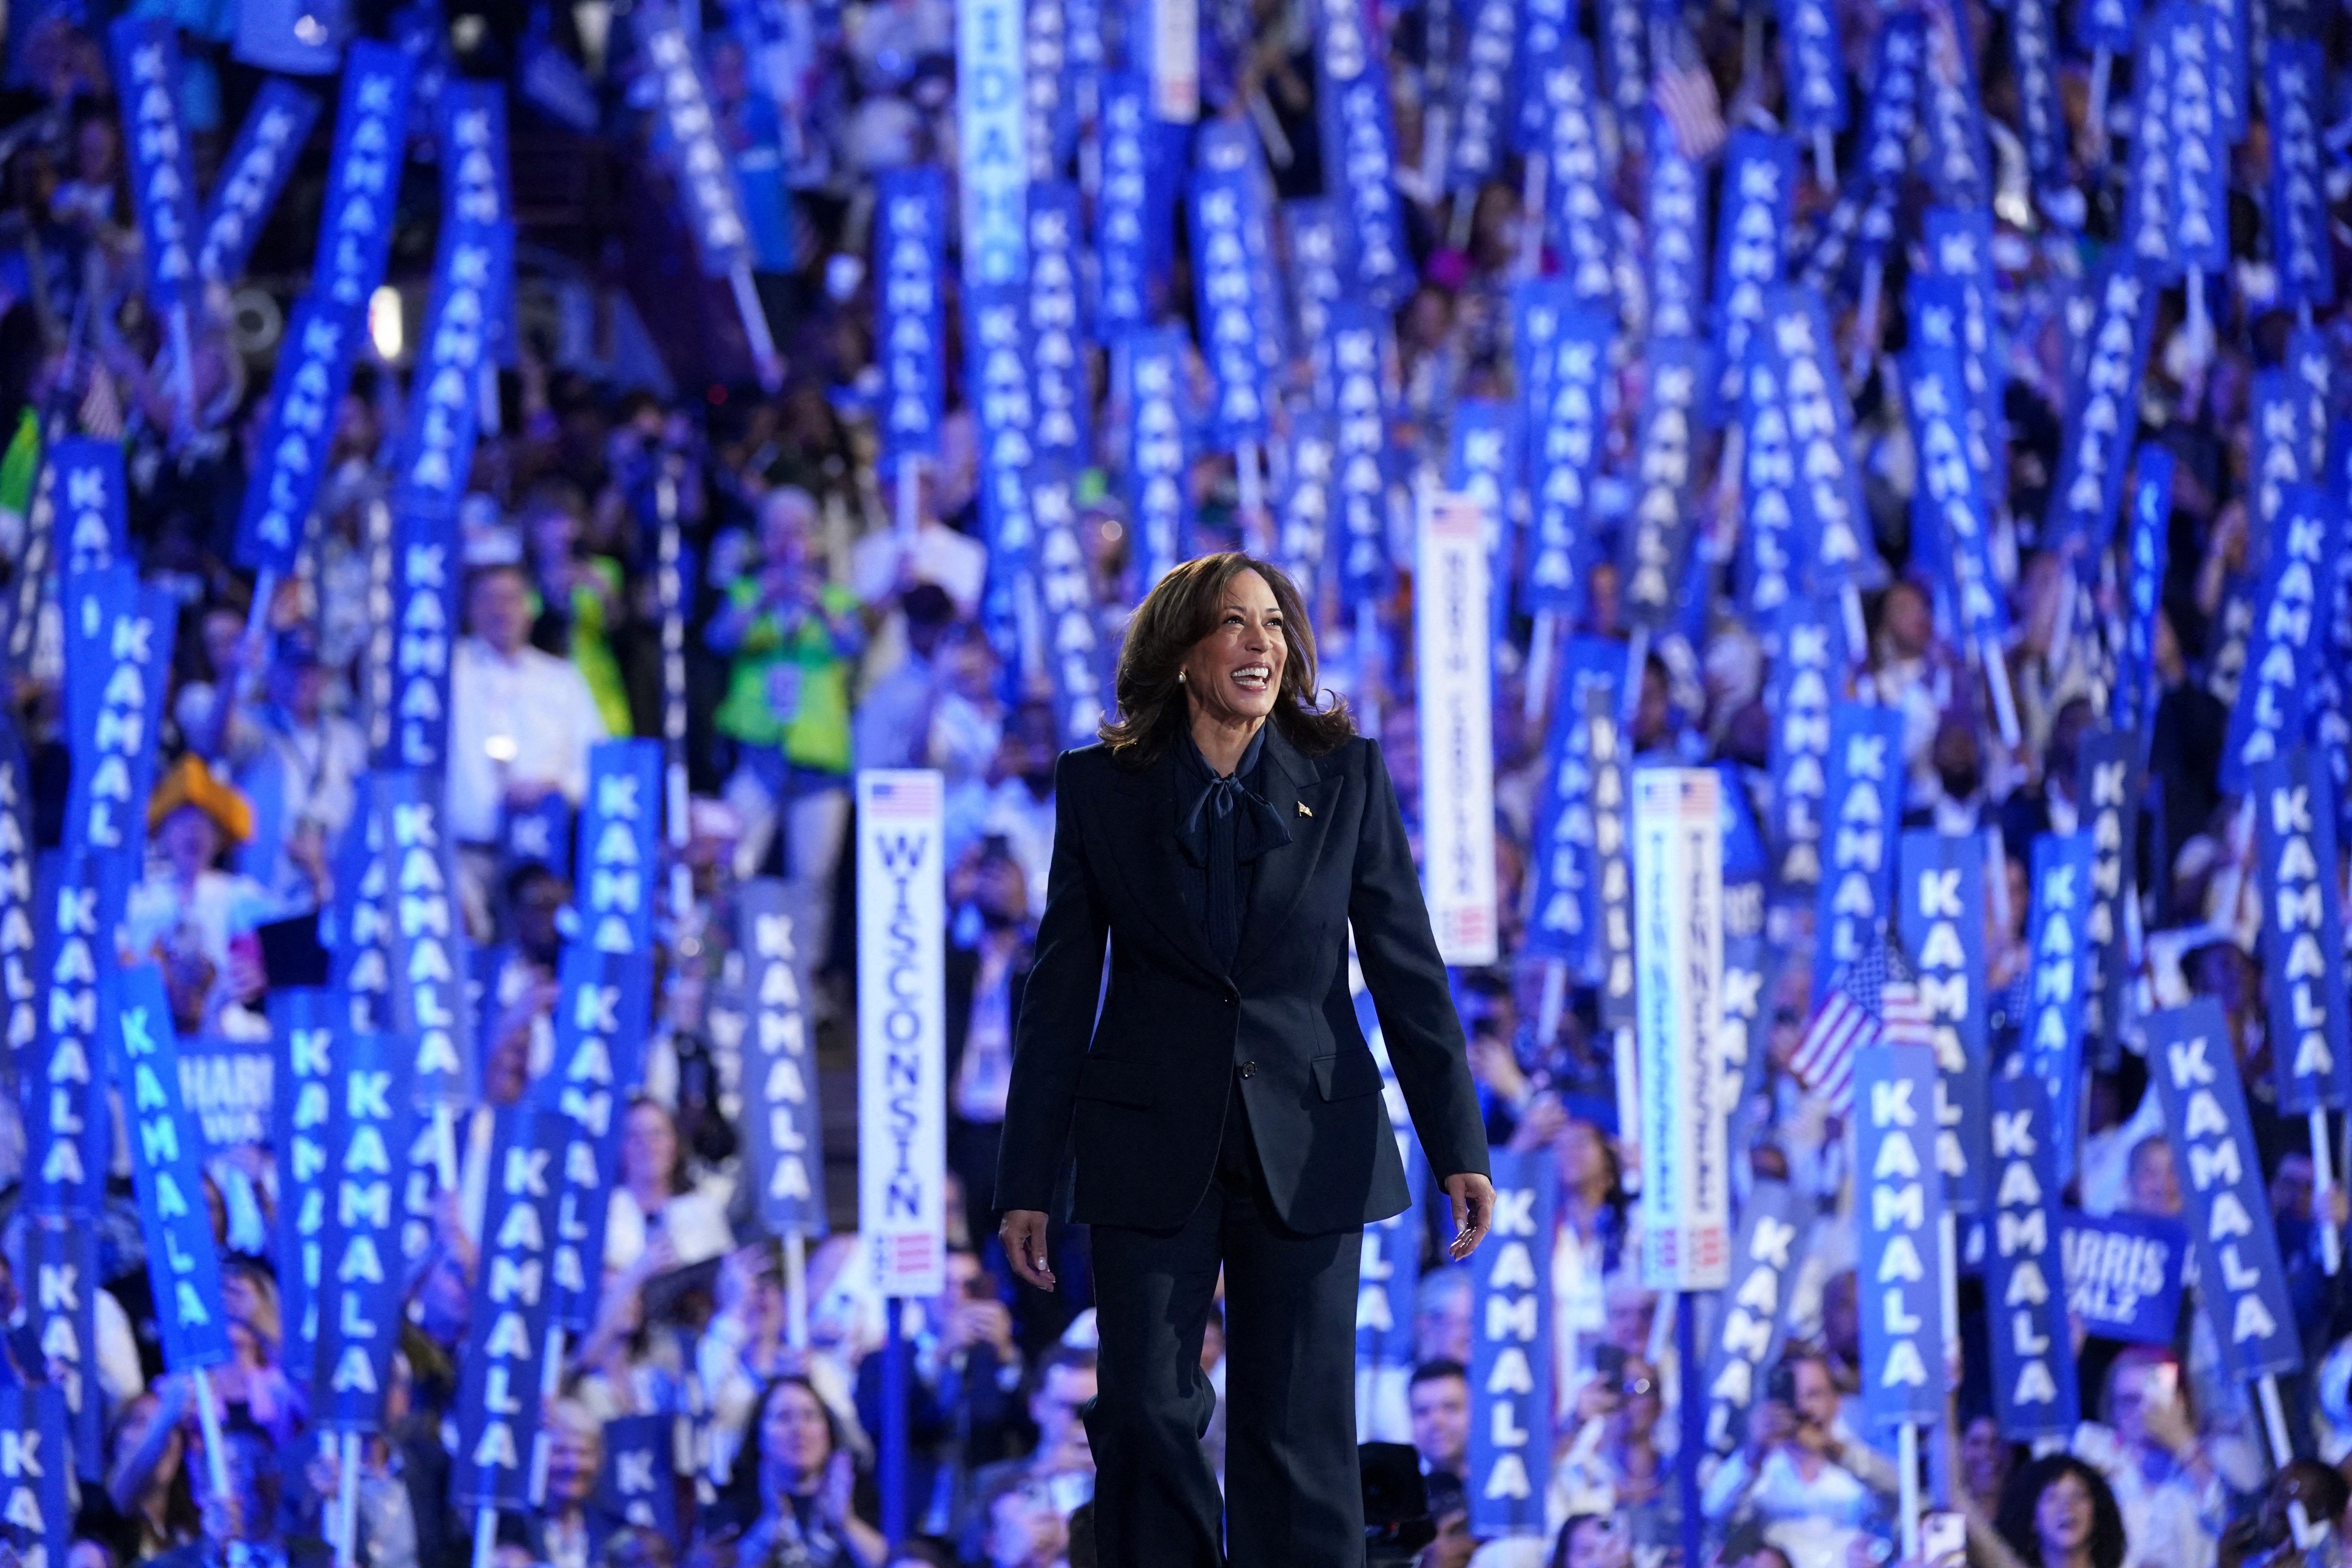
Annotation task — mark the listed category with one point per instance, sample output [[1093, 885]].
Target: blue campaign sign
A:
[[2303, 931], [1048, 107], [1751, 1312], [1751, 252], [2133, 707], [1675, 227], [2050, 1041], [707, 183], [1560, 917], [1576, 218], [36, 1520], [1484, 461], [1159, 496], [2033, 1386], [1510, 1352], [620, 828], [2200, 211], [1808, 677], [1768, 570], [146, 55], [2301, 247], [2107, 790], [640, 1481], [252, 177], [1960, 157], [1830, 521], [1318, 273], [603, 1011], [364, 174], [183, 1263], [359, 971], [425, 939], [1813, 61], [1358, 137], [93, 514], [1359, 400], [1305, 497], [2151, 177], [1657, 535], [66, 1122], [2033, 64], [1612, 961], [427, 562], [472, 272], [2123, 1275], [1065, 588], [1949, 505], [1131, 187], [1564, 451], [1486, 95], [2102, 411], [61, 1265], [302, 1019], [114, 740], [1545, 27], [1057, 337], [1891, 121], [781, 1121], [1955, 304], [1898, 1207], [1862, 806], [20, 989], [1387, 1275], [498, 1394], [306, 393], [910, 319], [997, 376], [1224, 297], [2284, 646], [1622, 34], [2241, 1281], [370, 1128], [1940, 918]]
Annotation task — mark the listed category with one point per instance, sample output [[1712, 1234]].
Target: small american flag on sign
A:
[[913, 794], [1874, 1002]]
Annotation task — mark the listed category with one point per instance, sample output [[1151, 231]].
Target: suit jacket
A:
[[1142, 1087]]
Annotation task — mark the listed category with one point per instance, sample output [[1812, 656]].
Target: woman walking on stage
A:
[[1225, 1111]]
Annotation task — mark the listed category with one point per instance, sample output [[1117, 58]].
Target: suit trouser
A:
[[1293, 1495]]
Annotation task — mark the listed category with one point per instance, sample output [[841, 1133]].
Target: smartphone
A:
[[1943, 1539]]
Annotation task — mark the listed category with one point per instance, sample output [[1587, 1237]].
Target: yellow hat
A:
[[190, 783]]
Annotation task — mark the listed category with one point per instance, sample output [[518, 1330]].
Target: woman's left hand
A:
[[1474, 1211]]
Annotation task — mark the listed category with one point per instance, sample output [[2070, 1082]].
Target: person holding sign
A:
[[1225, 837]]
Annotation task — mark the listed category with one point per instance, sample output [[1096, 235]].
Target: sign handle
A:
[[208, 1418], [764, 359], [551, 1381], [1637, 661], [1554, 1002], [907, 510], [1538, 683], [1825, 158], [2004, 700], [257, 626], [796, 1289], [1629, 1109], [486, 1535], [1865, 316], [486, 394], [1367, 643], [347, 1501], [2102, 70], [1906, 1476], [1249, 478], [1693, 1421], [2275, 1420], [2323, 1190], [183, 368], [445, 1144], [894, 1424]]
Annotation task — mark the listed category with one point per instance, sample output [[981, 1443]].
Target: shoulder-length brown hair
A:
[[1175, 615]]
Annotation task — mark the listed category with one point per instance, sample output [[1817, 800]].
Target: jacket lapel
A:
[[1291, 780], [1148, 862]]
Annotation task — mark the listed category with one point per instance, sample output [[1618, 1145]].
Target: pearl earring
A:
[[1179, 677]]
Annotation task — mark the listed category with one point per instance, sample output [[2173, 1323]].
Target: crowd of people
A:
[[833, 624]]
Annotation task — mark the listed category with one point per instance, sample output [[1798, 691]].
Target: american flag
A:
[[1683, 90], [912, 793], [1874, 1002]]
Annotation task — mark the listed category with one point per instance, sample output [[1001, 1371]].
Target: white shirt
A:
[[534, 702]]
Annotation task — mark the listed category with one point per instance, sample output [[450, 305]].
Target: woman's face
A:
[[648, 1147], [1594, 1545], [189, 841], [1582, 1165], [793, 1432], [1235, 672], [2061, 1516], [1984, 1456]]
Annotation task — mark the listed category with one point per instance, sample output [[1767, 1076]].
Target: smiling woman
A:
[[1224, 1107]]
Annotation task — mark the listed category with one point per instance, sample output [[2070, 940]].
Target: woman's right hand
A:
[[1022, 1232]]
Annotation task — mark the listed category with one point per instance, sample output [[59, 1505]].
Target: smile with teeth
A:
[[1253, 677]]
